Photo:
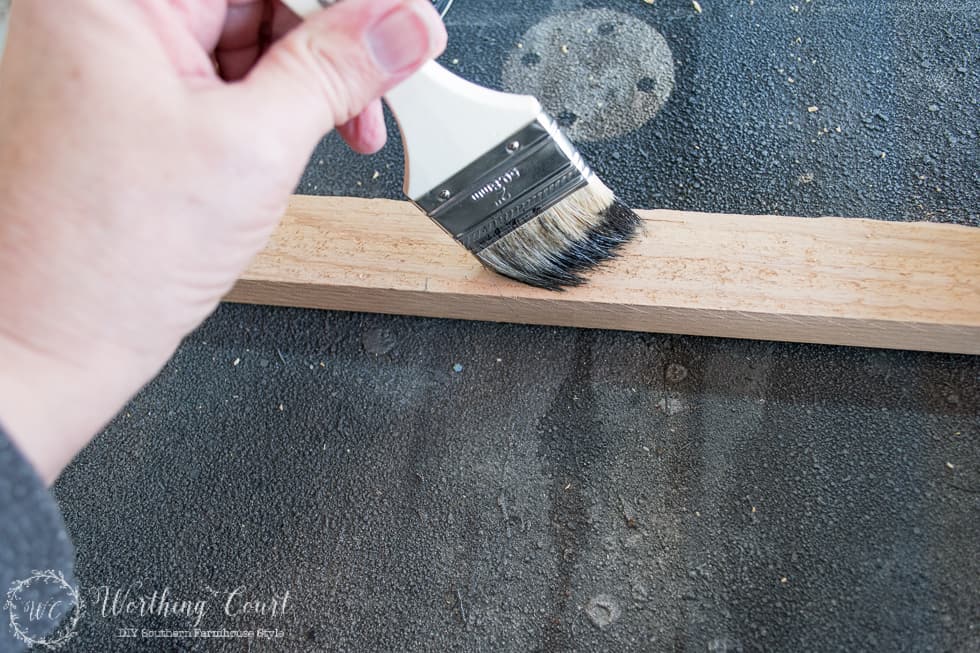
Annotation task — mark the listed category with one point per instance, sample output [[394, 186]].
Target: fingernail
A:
[[403, 37]]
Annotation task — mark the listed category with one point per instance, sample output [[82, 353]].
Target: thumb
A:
[[329, 68]]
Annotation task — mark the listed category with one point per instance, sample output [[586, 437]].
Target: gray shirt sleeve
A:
[[32, 539]]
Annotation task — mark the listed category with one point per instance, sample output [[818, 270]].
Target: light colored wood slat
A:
[[823, 280]]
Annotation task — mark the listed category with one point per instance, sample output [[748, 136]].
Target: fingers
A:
[[239, 46], [366, 133], [250, 26], [327, 70]]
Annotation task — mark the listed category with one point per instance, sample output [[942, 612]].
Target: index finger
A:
[[250, 27]]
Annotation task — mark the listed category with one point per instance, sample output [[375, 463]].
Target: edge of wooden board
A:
[[841, 281]]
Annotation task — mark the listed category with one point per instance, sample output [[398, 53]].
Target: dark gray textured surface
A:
[[899, 79], [705, 495], [581, 464]]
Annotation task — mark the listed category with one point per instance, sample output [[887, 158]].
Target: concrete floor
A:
[[588, 490]]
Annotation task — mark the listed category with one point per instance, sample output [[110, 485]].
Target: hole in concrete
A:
[[530, 59], [602, 611], [647, 84], [607, 28], [566, 119]]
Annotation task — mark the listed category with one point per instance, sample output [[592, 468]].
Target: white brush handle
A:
[[446, 122]]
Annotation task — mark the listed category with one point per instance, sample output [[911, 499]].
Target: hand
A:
[[136, 182]]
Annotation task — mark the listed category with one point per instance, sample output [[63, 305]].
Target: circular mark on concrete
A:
[[378, 341], [676, 373], [611, 71], [647, 84], [566, 119], [530, 59], [602, 610]]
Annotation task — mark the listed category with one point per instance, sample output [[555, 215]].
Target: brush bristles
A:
[[554, 249]]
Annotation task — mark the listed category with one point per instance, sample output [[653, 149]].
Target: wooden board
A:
[[823, 280]]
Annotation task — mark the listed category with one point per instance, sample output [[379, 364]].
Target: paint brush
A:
[[497, 174]]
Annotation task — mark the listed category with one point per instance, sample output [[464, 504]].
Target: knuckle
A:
[[336, 80]]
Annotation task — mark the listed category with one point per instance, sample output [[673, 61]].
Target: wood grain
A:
[[822, 280]]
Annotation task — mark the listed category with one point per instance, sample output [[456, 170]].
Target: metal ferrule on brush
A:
[[523, 176]]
